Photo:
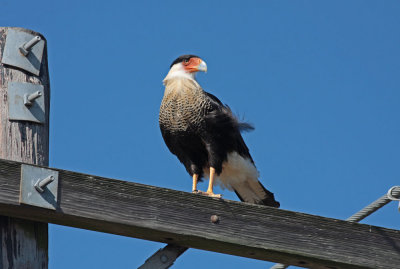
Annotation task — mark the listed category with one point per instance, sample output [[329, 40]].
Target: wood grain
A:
[[180, 218], [24, 243]]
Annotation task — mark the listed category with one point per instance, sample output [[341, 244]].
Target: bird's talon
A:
[[199, 192], [211, 194]]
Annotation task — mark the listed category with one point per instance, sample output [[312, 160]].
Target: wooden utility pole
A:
[[24, 243]]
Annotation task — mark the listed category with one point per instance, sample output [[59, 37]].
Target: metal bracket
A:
[[39, 187], [26, 102], [23, 50]]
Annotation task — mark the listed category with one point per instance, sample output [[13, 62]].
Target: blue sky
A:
[[318, 79]]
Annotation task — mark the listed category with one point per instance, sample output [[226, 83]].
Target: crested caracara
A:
[[205, 136]]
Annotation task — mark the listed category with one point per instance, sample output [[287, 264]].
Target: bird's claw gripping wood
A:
[[209, 192]]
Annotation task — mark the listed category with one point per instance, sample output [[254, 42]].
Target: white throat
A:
[[177, 71]]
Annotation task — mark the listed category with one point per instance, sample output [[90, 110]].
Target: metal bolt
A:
[[29, 98], [214, 219], [27, 47], [41, 183], [163, 258]]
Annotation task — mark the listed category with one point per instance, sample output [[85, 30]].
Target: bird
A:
[[206, 137]]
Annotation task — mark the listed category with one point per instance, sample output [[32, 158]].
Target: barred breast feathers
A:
[[184, 102]]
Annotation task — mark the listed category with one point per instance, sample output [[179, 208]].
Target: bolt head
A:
[[214, 219], [164, 258]]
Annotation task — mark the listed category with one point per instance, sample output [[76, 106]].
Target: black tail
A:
[[254, 192]]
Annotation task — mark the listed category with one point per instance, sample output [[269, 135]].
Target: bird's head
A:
[[189, 63], [186, 66]]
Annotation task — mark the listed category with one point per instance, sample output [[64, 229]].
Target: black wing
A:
[[218, 105], [224, 128]]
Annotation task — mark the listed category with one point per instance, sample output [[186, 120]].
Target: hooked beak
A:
[[202, 66]]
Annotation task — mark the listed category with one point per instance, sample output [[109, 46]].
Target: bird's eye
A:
[[185, 61]]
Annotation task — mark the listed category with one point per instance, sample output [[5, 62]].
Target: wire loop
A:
[[391, 197]]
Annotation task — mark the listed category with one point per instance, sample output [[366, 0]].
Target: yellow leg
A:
[[195, 178], [211, 184]]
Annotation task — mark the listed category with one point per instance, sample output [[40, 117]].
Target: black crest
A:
[[183, 58]]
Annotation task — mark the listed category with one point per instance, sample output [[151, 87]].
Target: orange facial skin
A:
[[192, 64]]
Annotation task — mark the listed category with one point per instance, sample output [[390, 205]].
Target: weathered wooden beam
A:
[[170, 216], [23, 244]]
